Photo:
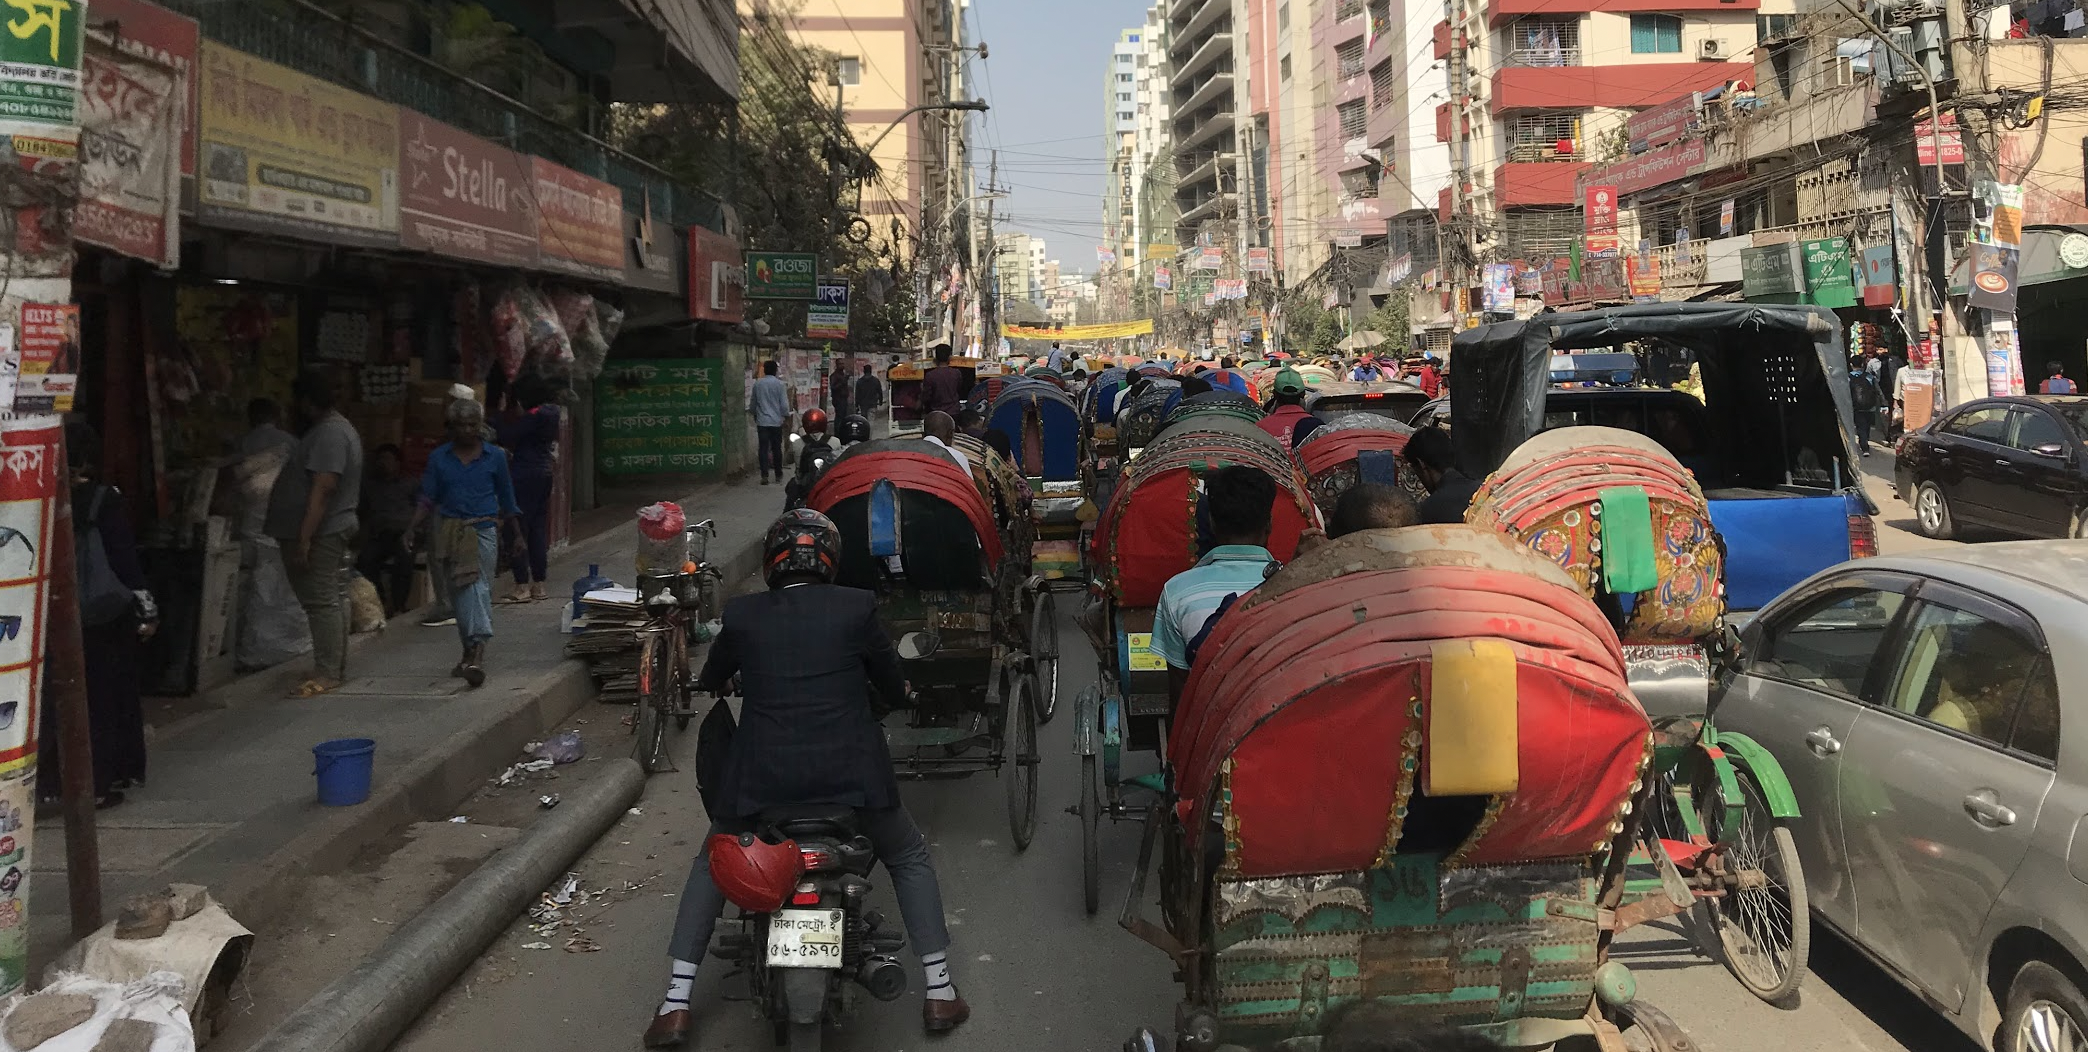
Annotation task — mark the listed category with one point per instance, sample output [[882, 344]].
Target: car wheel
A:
[[2046, 1012], [1932, 512]]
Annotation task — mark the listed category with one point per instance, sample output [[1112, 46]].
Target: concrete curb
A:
[[366, 1009], [428, 788]]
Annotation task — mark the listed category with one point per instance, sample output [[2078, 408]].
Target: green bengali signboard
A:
[[1772, 274], [40, 61], [1827, 273], [782, 276], [662, 416]]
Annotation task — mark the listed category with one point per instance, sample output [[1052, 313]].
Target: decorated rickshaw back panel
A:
[[1043, 427], [1451, 947]]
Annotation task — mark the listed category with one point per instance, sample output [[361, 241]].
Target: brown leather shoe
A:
[[941, 1016], [669, 1030]]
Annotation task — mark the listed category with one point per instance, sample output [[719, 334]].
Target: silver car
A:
[[1931, 713]]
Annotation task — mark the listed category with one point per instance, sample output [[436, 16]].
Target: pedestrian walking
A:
[[2055, 381], [840, 386], [869, 394], [311, 514], [769, 402], [111, 636], [1863, 398], [468, 487], [531, 441], [943, 387]]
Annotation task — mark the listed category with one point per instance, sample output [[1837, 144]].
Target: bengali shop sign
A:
[[130, 170], [580, 223], [1664, 123], [151, 33], [40, 61], [286, 153], [462, 196], [1653, 169], [663, 416]]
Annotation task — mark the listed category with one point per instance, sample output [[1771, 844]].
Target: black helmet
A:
[[854, 429], [801, 542]]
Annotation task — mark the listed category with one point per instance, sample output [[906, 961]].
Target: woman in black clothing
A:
[[115, 718]]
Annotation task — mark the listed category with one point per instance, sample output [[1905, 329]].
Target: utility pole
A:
[[1460, 157], [989, 313]]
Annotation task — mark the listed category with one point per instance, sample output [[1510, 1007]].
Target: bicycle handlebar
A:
[[709, 526]]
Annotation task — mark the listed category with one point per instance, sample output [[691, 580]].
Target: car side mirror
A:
[[2050, 449]]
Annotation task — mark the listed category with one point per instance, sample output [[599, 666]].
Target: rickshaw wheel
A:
[[1090, 845], [1019, 748], [1044, 655], [1764, 932], [1648, 1029]]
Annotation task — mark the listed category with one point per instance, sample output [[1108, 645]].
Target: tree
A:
[[773, 157]]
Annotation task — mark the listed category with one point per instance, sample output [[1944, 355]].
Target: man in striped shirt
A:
[[1237, 500]]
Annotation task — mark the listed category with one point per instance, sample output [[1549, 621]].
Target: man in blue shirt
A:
[[1237, 500], [769, 402], [468, 488]]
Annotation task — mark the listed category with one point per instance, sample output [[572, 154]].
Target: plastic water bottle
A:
[[584, 585]]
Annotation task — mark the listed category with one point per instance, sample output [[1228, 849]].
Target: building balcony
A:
[[1610, 87], [1217, 86], [1204, 167], [1536, 183], [1182, 10], [1205, 17], [1499, 11], [1204, 132], [1208, 208], [1542, 57], [1205, 55]]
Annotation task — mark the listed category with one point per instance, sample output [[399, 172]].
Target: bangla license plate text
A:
[[804, 939]]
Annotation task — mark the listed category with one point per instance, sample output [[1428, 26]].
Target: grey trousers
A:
[[899, 845], [321, 585]]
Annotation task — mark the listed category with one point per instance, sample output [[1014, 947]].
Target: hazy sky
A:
[[1043, 78]]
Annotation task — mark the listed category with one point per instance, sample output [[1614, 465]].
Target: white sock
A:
[[937, 967], [678, 987]]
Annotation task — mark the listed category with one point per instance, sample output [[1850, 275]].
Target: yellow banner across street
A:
[[1105, 331]]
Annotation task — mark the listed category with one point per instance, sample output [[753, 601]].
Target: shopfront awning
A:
[[2045, 250]]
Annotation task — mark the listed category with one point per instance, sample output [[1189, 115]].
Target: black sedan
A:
[[2010, 464]]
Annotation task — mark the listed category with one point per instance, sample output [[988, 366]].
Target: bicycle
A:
[[679, 602]]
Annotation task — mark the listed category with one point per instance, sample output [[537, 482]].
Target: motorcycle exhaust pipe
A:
[[882, 976]]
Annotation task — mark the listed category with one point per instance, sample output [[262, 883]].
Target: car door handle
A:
[[2000, 463], [1822, 741], [1987, 809]]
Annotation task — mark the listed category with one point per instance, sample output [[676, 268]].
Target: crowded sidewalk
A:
[[231, 802]]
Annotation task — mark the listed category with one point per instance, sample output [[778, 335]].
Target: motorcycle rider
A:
[[815, 453], [808, 652], [853, 429]]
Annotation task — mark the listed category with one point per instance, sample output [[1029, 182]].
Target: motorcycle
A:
[[814, 455], [807, 938]]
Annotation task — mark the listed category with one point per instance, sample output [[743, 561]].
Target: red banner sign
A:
[[1653, 169], [1662, 124], [462, 196], [1953, 142], [580, 223], [1602, 209]]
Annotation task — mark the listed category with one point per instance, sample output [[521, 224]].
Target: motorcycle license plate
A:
[[804, 939]]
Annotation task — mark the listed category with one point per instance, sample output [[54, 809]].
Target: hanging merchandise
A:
[[525, 327], [576, 314]]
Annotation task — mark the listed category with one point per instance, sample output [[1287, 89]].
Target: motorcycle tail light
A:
[[806, 895], [1863, 537], [816, 860]]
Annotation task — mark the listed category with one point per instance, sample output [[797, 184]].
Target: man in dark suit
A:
[[808, 653]]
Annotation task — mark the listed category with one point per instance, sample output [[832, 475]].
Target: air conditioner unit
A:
[[1712, 48]]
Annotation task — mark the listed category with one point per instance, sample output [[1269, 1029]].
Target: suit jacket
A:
[[807, 658]]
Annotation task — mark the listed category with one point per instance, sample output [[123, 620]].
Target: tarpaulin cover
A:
[[1776, 382], [1148, 533], [1044, 428], [1318, 679], [926, 472]]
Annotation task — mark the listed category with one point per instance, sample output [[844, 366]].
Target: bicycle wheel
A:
[[1044, 655], [1019, 753], [1763, 923], [1090, 844], [656, 684]]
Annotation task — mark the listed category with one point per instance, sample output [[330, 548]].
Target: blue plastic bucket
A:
[[343, 766]]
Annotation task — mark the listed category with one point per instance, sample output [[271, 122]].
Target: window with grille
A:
[[1348, 59], [1283, 67], [1543, 137], [1347, 9], [1380, 16], [1539, 233], [1123, 78], [1775, 27], [1544, 41], [1656, 35], [1381, 85], [1355, 119], [851, 71]]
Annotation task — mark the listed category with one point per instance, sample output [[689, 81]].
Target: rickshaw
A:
[[922, 534], [905, 380], [1145, 536], [1629, 525], [1139, 418], [1044, 428], [1407, 776], [1356, 447]]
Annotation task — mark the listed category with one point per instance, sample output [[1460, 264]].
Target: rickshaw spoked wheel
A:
[[1763, 923], [1090, 844], [1044, 654], [1019, 752], [1109, 727], [1648, 1029]]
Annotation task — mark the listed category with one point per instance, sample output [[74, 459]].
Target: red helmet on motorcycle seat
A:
[[755, 875], [815, 421]]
